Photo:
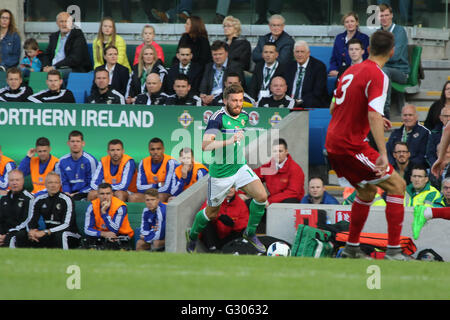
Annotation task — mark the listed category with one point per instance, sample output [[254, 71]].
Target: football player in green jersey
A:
[[223, 136]]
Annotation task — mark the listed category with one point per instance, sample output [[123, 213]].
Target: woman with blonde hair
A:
[[107, 36], [10, 43], [148, 63], [240, 49], [340, 56]]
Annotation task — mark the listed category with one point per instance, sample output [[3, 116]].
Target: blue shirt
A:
[[340, 50], [76, 175], [142, 184], [153, 223], [127, 175], [10, 50], [112, 224], [24, 166], [177, 185], [326, 199], [4, 177]]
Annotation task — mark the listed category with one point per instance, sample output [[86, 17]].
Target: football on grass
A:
[[279, 249]]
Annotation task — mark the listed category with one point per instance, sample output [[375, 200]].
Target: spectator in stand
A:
[[6, 166], [183, 95], [317, 194], [265, 71], [117, 169], [263, 7], [340, 58], [420, 192], [397, 68], [16, 90], [277, 35], [185, 66], [435, 136], [402, 164], [125, 6], [57, 211], [283, 177], [182, 10], [14, 209], [233, 78], [355, 52], [436, 181], [306, 78], [153, 94], [148, 34], [77, 168], [434, 113], [67, 49], [30, 63], [216, 72], [54, 93], [411, 132], [240, 49], [230, 224], [155, 171], [153, 223], [10, 43], [277, 97], [107, 218], [148, 63], [102, 93], [118, 74], [444, 200], [39, 167], [107, 36], [187, 173], [196, 37]]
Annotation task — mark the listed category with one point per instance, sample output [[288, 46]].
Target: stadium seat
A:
[[412, 86], [80, 84], [2, 79], [322, 53], [37, 81], [131, 50], [170, 51], [318, 124]]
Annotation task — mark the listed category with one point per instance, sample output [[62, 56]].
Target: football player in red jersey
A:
[[357, 109]]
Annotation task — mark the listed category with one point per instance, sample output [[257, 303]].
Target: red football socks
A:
[[360, 211], [394, 215]]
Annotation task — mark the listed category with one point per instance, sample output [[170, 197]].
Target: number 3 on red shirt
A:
[[346, 81]]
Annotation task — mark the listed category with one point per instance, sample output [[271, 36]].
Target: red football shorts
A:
[[359, 168]]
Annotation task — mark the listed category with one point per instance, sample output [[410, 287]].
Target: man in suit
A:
[[265, 71], [216, 72], [307, 78], [277, 35], [192, 70], [67, 50]]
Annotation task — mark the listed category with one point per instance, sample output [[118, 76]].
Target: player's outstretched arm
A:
[[210, 143]]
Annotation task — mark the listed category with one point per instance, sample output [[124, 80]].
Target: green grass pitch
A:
[[43, 274]]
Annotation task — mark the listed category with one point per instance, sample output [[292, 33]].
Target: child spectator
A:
[[148, 34], [30, 63], [107, 36], [153, 225]]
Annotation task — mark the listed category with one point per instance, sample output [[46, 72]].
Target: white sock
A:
[[428, 214]]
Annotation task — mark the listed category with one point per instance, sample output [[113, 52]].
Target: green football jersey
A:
[[228, 160]]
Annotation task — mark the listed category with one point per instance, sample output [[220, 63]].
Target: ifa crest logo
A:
[[275, 119], [253, 118], [185, 119]]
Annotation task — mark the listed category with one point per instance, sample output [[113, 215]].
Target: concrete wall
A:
[[16, 7], [180, 212], [435, 235]]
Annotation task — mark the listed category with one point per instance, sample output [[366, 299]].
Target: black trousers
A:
[[62, 239], [212, 240]]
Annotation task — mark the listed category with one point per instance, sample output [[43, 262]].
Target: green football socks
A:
[[256, 212], [200, 222]]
